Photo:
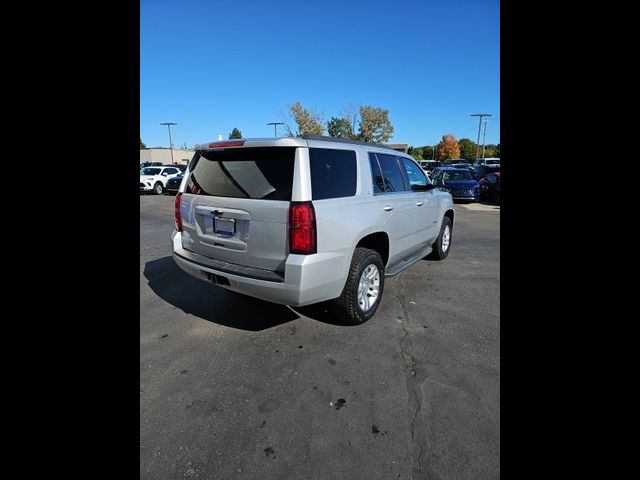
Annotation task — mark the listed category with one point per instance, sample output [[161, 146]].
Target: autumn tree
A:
[[467, 148], [340, 127], [374, 125], [448, 147], [235, 133], [307, 121]]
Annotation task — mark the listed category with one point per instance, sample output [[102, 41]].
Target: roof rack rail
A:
[[344, 140]]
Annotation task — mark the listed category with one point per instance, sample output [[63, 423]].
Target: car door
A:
[[392, 195], [423, 203]]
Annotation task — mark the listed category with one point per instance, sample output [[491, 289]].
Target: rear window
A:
[[257, 173], [333, 173]]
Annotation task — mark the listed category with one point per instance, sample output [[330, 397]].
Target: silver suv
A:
[[298, 221]]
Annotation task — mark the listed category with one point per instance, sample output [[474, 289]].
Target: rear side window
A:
[[333, 173], [388, 178], [258, 173]]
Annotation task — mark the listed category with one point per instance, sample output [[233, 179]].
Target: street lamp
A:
[[484, 136], [275, 127], [168, 124], [479, 126]]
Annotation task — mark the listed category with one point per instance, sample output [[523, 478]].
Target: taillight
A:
[[176, 212], [302, 228]]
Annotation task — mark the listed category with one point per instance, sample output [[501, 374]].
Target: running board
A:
[[404, 264]]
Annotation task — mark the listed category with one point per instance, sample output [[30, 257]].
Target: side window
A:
[[376, 174], [171, 171], [333, 173], [414, 173], [393, 181]]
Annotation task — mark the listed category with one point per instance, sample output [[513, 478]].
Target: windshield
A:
[[458, 175], [150, 171]]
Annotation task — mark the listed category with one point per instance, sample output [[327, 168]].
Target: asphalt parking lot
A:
[[235, 387]]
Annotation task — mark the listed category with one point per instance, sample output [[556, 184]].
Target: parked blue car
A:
[[458, 182]]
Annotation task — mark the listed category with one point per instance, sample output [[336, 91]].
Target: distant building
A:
[[399, 147], [180, 156]]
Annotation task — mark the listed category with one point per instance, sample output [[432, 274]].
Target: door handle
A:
[[419, 204], [388, 208]]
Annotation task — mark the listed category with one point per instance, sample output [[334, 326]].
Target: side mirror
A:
[[422, 188]]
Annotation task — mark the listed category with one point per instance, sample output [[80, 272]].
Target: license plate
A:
[[224, 226]]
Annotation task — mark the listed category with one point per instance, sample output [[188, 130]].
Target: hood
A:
[[461, 184], [147, 177]]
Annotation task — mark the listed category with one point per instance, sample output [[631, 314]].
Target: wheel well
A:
[[449, 213], [379, 242]]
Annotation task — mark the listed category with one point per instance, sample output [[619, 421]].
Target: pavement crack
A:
[[413, 390]]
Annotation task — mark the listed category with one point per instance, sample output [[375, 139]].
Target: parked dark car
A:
[[481, 171], [455, 161], [173, 184], [459, 182], [490, 186]]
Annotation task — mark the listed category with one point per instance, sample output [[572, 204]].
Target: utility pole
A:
[[275, 127], [168, 124], [479, 126]]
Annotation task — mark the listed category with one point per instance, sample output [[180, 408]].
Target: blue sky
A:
[[211, 66]]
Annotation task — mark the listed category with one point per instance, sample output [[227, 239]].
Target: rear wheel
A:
[[362, 292], [157, 188], [442, 245]]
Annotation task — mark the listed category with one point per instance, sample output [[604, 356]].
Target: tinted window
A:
[[391, 174], [171, 171], [150, 171], [414, 173], [259, 173], [333, 173], [376, 174]]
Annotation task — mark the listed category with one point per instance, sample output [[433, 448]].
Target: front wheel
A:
[[157, 188], [442, 244], [361, 295]]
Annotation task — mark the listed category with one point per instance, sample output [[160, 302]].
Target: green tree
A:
[[142, 145], [448, 147], [374, 125], [490, 151], [307, 121], [416, 153], [235, 133], [467, 148], [340, 127]]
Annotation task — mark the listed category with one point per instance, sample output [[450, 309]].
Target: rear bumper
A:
[[306, 279]]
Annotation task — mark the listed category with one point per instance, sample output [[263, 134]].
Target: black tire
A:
[[346, 306], [439, 252], [157, 188]]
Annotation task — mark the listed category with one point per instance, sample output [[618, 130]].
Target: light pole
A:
[[479, 126], [484, 136], [168, 124], [275, 127]]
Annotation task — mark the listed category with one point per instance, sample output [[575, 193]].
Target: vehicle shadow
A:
[[212, 303], [217, 305]]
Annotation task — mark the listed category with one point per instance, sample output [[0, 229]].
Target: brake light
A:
[[302, 228], [237, 143], [176, 213]]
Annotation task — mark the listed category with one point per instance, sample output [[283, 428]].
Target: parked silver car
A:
[[298, 221]]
